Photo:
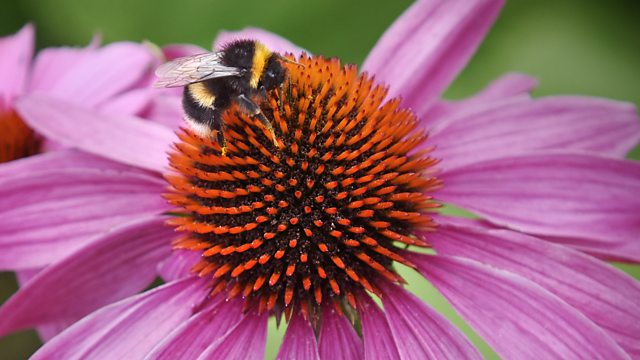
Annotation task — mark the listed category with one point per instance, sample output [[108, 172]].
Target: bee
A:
[[240, 72]]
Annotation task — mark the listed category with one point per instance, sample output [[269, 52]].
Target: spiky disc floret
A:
[[319, 217]]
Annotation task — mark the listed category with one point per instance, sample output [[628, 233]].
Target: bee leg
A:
[[216, 125], [254, 110]]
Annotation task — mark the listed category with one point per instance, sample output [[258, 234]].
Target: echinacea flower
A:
[[310, 230], [111, 79]]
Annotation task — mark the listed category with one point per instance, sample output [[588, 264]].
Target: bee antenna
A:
[[287, 60]]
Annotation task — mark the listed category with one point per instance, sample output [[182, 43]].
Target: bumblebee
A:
[[240, 72]]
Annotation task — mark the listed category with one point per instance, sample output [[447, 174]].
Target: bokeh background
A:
[[589, 47]]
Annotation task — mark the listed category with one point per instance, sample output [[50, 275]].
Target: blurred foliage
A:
[[586, 47]]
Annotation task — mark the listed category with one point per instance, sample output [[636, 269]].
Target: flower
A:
[[112, 79], [546, 177]]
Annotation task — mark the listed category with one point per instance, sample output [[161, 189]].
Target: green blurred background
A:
[[587, 47]]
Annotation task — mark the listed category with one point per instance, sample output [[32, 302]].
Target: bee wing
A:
[[186, 70]]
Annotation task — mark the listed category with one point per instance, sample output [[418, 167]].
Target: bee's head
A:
[[273, 75]]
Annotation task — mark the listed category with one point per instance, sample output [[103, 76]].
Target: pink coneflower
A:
[[311, 230], [112, 79]]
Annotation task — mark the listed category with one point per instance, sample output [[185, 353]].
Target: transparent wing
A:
[[190, 69]]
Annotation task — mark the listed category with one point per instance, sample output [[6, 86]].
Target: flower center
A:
[[17, 140], [318, 218]]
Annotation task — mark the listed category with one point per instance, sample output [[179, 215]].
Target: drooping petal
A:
[[338, 339], [519, 319], [55, 160], [521, 126], [125, 139], [48, 331], [128, 329], [45, 216], [509, 85], [420, 332], [15, 62], [54, 63], [376, 334], [299, 341], [274, 42], [246, 341], [191, 338], [426, 47], [592, 200], [108, 269], [178, 264], [98, 75], [606, 295]]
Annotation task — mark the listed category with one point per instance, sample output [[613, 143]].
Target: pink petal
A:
[[133, 102], [299, 341], [591, 199], [338, 339], [62, 159], [191, 338], [165, 109], [45, 216], [274, 42], [112, 267], [509, 85], [519, 319], [45, 332], [15, 61], [51, 65], [426, 47], [376, 335], [521, 126], [606, 295], [246, 341], [98, 75], [126, 139], [178, 264], [128, 329], [419, 331], [173, 51]]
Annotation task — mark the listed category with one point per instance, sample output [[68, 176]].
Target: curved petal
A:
[[246, 341], [274, 42], [47, 215], [178, 264], [522, 126], [191, 338], [108, 269], [15, 63], [376, 335], [338, 339], [509, 85], [419, 331], [56, 160], [426, 47], [590, 199], [133, 102], [299, 341], [128, 329], [97, 75], [126, 139], [606, 295], [519, 319]]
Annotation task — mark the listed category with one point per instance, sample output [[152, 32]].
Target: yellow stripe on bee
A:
[[201, 94], [260, 56]]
